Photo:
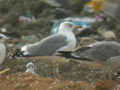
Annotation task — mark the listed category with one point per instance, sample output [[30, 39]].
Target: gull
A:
[[30, 68], [63, 41], [2, 48], [103, 51]]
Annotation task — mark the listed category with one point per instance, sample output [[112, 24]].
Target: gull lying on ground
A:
[[104, 50]]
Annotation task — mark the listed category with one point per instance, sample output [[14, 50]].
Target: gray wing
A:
[[100, 52], [48, 46]]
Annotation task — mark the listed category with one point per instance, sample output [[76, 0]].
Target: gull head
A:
[[24, 50], [67, 26], [30, 67]]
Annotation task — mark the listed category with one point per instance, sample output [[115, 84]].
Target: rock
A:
[[85, 41], [109, 35], [100, 18], [111, 8], [53, 3], [3, 30], [62, 13], [106, 34]]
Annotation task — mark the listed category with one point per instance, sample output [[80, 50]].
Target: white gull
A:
[[2, 48], [63, 41]]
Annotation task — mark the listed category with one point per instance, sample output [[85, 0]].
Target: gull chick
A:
[[30, 68]]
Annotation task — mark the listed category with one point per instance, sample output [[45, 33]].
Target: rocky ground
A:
[[56, 73]]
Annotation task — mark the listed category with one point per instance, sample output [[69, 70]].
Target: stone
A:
[[107, 34]]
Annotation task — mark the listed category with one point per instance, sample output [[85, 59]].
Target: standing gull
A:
[[105, 50], [63, 41], [2, 48]]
